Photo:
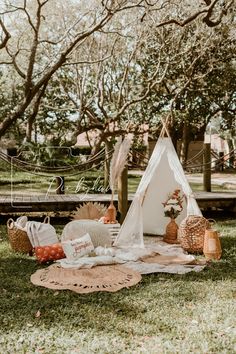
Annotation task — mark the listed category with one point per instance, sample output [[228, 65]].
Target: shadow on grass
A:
[[20, 300]]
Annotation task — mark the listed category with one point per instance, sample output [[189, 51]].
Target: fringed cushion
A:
[[99, 234]]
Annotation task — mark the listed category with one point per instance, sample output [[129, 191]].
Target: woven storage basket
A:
[[191, 233], [18, 239]]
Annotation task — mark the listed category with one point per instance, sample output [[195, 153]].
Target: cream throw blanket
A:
[[155, 257], [40, 234]]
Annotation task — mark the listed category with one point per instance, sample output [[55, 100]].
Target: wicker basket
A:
[[191, 233], [18, 239]]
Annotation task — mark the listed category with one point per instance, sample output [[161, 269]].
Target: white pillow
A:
[[79, 247], [98, 232]]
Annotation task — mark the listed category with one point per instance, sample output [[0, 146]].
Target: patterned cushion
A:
[[79, 247], [49, 253]]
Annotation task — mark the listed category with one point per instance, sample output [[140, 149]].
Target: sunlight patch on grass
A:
[[165, 313]]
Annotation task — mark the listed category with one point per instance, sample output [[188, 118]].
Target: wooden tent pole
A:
[[123, 194], [164, 128], [207, 167]]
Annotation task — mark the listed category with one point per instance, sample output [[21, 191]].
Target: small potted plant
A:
[[173, 206]]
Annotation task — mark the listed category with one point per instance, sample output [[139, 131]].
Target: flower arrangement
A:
[[174, 204]]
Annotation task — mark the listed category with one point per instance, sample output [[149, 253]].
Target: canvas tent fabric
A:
[[162, 176]]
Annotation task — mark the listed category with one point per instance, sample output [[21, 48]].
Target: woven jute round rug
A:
[[101, 278]]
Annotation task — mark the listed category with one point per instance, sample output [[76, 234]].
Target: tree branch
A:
[[88, 62], [151, 84], [183, 23], [33, 52], [207, 18], [100, 90], [7, 35], [16, 66], [125, 74]]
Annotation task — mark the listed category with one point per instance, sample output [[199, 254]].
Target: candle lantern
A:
[[212, 246]]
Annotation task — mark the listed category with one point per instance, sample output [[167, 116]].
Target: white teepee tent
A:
[[163, 175]]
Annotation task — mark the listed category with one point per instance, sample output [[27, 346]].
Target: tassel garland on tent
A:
[[117, 165]]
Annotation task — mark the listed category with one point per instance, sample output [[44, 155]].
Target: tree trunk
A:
[[231, 153], [173, 134], [34, 89], [185, 143], [123, 194], [31, 119], [7, 122], [207, 168], [108, 148], [29, 129]]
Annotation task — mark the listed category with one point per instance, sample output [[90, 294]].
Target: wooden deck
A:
[[69, 202]]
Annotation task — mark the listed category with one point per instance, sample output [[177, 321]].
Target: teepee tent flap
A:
[[163, 175]]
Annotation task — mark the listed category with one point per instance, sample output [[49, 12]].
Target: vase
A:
[[171, 232], [111, 213]]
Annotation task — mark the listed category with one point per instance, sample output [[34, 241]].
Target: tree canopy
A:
[[114, 65]]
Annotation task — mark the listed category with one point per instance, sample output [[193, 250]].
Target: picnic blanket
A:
[[155, 257], [112, 273]]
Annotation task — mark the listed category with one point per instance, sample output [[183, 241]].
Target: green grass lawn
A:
[[23, 182], [192, 313], [89, 182]]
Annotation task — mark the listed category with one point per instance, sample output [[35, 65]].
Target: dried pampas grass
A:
[[92, 211], [118, 161]]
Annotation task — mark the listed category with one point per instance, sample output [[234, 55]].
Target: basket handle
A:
[[46, 219], [10, 224], [212, 221], [189, 223]]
